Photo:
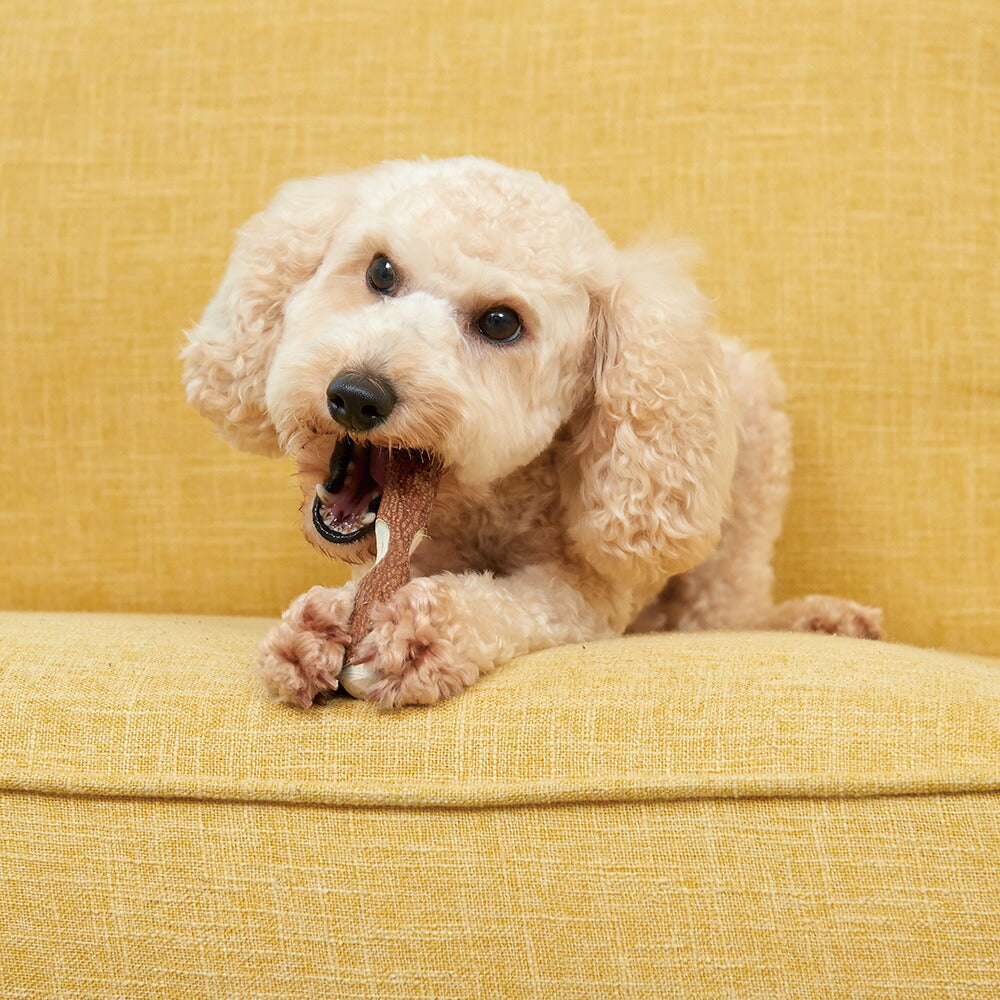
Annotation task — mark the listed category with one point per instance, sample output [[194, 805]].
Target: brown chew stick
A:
[[411, 484]]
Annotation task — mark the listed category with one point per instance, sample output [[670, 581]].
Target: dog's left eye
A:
[[500, 324], [381, 275]]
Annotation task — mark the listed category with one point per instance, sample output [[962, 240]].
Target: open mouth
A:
[[346, 505]]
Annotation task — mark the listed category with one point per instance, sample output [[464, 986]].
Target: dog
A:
[[611, 464]]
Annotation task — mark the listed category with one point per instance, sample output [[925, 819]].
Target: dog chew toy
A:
[[411, 484]]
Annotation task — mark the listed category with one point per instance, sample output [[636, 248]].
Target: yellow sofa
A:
[[701, 816]]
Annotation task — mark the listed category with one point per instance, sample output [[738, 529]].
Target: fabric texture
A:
[[836, 160], [661, 817], [688, 715]]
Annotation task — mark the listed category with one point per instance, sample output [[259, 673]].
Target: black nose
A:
[[359, 402]]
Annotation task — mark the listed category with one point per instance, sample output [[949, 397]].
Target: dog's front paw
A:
[[301, 657], [414, 653]]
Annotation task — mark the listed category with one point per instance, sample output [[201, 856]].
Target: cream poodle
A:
[[610, 463]]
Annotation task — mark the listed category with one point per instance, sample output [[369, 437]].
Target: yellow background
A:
[[837, 161]]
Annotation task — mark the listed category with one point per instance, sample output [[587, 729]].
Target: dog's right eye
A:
[[381, 275]]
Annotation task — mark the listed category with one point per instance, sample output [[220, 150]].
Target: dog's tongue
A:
[[409, 481], [378, 464]]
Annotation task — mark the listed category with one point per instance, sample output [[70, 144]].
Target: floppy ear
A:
[[229, 352], [647, 482]]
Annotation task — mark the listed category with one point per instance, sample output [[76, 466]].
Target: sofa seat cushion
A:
[[127, 705], [677, 817]]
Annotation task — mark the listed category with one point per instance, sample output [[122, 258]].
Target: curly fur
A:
[[620, 467]]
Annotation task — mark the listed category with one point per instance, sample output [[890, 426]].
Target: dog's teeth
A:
[[368, 519], [324, 494]]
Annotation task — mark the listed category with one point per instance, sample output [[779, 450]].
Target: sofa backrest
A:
[[837, 162]]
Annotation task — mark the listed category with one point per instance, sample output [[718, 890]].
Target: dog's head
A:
[[462, 309]]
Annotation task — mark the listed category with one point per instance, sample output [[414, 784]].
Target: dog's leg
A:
[[301, 657], [733, 587], [438, 634]]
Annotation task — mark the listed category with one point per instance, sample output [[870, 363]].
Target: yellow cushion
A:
[[688, 816], [837, 161]]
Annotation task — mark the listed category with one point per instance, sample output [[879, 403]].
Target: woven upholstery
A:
[[685, 817], [676, 816]]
